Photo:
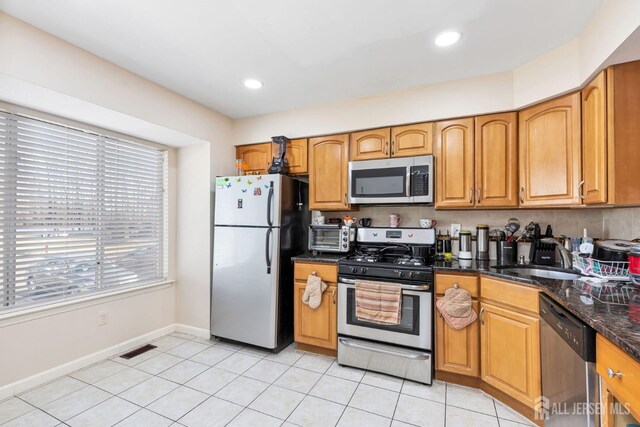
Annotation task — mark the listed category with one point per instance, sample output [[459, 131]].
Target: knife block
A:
[[542, 253]]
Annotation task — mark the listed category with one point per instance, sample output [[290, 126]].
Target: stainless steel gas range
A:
[[398, 255]]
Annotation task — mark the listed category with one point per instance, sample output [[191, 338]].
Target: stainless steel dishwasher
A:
[[569, 378]]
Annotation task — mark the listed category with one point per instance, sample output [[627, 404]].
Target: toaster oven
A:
[[331, 238]]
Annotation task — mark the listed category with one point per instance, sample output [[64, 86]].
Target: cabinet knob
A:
[[333, 296], [521, 195], [482, 315], [471, 196], [478, 193], [613, 374]]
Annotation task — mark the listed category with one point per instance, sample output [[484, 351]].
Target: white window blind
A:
[[80, 212]]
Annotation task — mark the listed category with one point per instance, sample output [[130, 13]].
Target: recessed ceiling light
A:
[[448, 38], [253, 84]]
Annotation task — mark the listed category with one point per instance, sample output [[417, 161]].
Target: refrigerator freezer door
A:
[[245, 285], [252, 200]]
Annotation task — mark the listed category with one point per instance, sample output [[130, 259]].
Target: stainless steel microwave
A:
[[400, 180]]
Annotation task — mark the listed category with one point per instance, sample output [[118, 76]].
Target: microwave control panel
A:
[[420, 180]]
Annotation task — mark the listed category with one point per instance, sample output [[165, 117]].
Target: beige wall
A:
[[32, 344], [561, 70], [44, 73]]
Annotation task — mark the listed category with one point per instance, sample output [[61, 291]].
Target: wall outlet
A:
[[103, 318], [455, 230]]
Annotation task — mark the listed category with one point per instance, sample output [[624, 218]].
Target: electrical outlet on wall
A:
[[103, 318], [455, 230]]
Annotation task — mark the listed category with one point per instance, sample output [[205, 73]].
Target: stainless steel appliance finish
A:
[[260, 223], [482, 242], [407, 236], [389, 255], [414, 329], [331, 238], [402, 362], [399, 180], [569, 378]]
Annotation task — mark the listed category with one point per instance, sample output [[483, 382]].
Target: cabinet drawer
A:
[[327, 272], [509, 293], [446, 281], [609, 356]]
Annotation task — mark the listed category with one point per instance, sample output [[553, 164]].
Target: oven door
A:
[[415, 325], [380, 181]]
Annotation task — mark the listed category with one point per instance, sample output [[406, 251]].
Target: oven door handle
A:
[[397, 353], [419, 288]]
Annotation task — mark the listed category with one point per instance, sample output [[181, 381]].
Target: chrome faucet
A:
[[567, 258]]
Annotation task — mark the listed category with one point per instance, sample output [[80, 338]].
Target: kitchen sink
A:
[[547, 273]]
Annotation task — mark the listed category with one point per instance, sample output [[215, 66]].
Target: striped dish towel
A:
[[378, 302]]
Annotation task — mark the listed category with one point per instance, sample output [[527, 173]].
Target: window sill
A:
[[19, 315]]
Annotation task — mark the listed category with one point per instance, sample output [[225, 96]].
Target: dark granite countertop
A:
[[610, 320], [323, 258]]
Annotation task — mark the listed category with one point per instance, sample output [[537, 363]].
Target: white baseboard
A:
[[198, 332], [53, 373]]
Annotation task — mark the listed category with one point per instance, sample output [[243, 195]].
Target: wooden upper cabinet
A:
[[328, 172], [297, 156], [623, 128], [496, 154], [370, 144], [549, 153], [594, 141], [455, 163], [257, 156], [412, 140]]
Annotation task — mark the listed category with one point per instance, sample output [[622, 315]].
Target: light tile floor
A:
[[195, 382]]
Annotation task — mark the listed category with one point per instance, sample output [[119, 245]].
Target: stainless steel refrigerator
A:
[[260, 222]]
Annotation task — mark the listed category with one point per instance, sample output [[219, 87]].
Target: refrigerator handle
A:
[[267, 250], [269, 202]]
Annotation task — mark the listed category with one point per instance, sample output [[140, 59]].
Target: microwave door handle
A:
[[407, 191]]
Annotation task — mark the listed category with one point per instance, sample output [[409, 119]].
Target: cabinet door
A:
[[370, 144], [458, 350], [297, 156], [412, 140], [594, 142], [257, 156], [328, 172], [510, 352], [316, 326], [549, 151], [454, 163], [497, 160]]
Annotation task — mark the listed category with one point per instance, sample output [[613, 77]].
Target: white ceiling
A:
[[306, 52]]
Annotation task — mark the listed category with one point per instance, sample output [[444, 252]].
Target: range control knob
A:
[[401, 273], [344, 239], [354, 269], [412, 274], [363, 270]]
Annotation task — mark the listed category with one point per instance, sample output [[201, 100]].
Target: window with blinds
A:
[[80, 212]]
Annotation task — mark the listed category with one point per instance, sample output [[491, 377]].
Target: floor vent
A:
[[137, 351]]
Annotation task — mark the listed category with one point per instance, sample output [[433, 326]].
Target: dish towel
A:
[[312, 295], [456, 308], [378, 302]]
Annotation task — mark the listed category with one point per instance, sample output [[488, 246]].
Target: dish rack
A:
[[608, 293], [611, 270]]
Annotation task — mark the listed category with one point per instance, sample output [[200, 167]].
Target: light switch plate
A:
[[455, 230]]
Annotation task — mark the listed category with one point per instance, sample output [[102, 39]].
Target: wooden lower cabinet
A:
[[510, 352], [620, 379], [458, 350], [316, 327]]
